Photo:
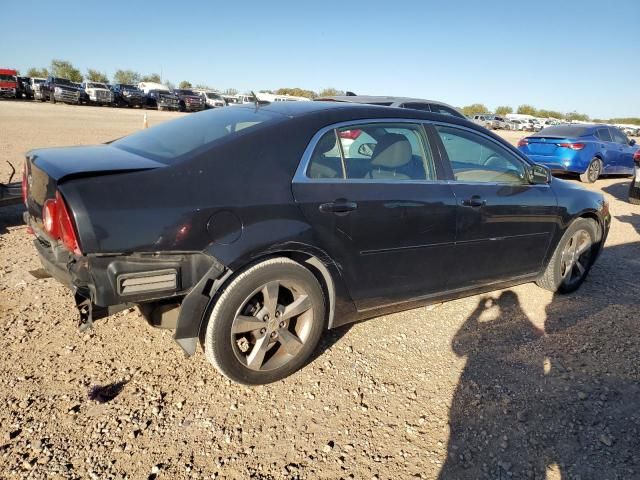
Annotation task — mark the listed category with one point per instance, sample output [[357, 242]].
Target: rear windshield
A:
[[169, 141], [563, 131]]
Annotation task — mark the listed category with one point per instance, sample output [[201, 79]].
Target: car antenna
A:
[[255, 100]]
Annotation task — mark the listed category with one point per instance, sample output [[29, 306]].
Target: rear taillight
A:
[[24, 184], [58, 224], [523, 142], [636, 156], [350, 134], [572, 146]]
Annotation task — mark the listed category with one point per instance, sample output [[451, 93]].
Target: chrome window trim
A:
[[301, 177]]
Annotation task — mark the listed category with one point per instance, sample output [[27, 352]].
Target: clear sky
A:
[[563, 55]]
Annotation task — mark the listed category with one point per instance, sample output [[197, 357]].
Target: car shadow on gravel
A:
[[555, 403], [633, 220], [619, 190]]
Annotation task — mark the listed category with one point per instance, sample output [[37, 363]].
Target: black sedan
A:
[[254, 229]]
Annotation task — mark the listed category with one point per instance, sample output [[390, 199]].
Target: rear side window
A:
[[417, 106], [477, 159], [604, 135], [441, 109], [172, 140], [374, 152]]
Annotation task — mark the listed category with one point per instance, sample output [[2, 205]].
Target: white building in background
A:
[[520, 116]]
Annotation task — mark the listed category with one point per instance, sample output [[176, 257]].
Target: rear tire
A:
[[266, 323], [593, 172], [572, 259]]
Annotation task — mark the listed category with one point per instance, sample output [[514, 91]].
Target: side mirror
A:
[[632, 142], [539, 175]]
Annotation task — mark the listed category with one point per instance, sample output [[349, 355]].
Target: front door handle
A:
[[474, 201], [339, 207]]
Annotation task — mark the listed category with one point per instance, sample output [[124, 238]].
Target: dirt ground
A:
[[514, 384]]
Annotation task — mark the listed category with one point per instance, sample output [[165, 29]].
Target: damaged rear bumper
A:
[[173, 290]]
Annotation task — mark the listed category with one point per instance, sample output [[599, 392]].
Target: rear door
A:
[[608, 150], [380, 209], [504, 224]]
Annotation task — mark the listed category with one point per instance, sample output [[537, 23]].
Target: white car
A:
[[213, 99], [35, 87], [98, 93]]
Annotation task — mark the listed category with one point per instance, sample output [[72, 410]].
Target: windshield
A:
[[171, 140], [128, 87], [185, 92], [96, 85], [38, 81], [213, 95], [7, 78]]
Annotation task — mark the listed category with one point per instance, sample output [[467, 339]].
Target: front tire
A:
[[572, 259], [266, 323], [593, 172]]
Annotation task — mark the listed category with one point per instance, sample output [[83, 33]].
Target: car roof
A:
[[374, 99]]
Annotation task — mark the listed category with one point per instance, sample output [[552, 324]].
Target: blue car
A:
[[586, 150]]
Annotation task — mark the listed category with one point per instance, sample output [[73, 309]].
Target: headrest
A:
[[392, 151]]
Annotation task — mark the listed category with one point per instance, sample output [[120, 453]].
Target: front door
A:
[[504, 224], [624, 157], [372, 194]]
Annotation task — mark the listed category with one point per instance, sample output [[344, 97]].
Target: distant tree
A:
[[503, 110], [527, 110], [582, 117], [37, 72], [128, 77], [230, 91], [549, 114], [96, 76], [330, 92], [630, 120], [184, 84], [297, 92], [153, 77], [64, 69], [474, 109]]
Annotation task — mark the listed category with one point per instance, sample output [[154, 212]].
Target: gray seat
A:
[[391, 155], [322, 166]]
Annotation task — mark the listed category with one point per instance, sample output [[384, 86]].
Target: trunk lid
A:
[[48, 168], [546, 146]]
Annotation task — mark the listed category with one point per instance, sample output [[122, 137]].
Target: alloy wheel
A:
[[576, 257], [272, 325], [594, 170]]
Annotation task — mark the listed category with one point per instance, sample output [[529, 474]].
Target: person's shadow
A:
[[563, 403]]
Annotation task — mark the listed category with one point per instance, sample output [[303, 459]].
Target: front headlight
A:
[[57, 90]]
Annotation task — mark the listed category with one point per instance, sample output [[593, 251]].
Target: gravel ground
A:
[[512, 384]]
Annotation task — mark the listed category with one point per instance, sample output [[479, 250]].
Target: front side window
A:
[[375, 152], [475, 158], [619, 137]]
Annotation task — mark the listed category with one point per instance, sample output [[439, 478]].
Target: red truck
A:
[[8, 83]]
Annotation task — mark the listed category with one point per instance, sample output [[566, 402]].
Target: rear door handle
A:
[[474, 201], [339, 207]]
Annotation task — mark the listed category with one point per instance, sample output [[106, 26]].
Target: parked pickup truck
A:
[[8, 83], [127, 95], [190, 101], [24, 88], [36, 83], [213, 99], [57, 89], [163, 100], [98, 93]]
